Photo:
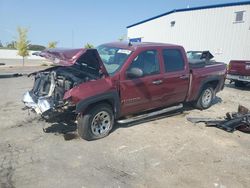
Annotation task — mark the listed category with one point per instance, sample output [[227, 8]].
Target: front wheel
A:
[[206, 98], [96, 123]]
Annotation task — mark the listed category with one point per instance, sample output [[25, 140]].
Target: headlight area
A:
[[67, 105]]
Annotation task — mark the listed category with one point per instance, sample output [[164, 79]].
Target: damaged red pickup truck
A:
[[115, 80]]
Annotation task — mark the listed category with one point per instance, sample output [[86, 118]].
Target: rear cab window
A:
[[173, 60]]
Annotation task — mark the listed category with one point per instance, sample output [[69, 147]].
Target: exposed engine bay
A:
[[73, 68], [50, 86], [54, 83]]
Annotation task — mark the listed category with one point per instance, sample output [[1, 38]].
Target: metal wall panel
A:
[[206, 29]]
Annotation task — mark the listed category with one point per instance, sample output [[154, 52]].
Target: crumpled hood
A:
[[68, 57]]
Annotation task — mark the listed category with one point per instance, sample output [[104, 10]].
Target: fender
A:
[[207, 80], [111, 96]]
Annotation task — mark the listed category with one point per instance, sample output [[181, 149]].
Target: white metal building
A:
[[222, 29]]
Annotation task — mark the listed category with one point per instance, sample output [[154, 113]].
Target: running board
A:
[[143, 116]]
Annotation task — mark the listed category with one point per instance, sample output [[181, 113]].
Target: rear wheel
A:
[[96, 123], [206, 98], [239, 84]]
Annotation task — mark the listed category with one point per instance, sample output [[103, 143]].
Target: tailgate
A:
[[239, 68]]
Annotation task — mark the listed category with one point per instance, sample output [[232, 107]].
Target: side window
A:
[[173, 60], [147, 61]]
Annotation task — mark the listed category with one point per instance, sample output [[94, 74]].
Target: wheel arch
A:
[[111, 98], [212, 81]]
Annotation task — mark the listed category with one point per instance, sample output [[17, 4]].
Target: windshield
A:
[[113, 58]]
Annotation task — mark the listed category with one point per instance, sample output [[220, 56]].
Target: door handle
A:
[[157, 82], [184, 77]]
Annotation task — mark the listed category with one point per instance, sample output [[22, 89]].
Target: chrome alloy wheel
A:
[[101, 123], [207, 97]]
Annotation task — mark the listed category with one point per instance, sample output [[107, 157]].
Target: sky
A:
[[73, 23]]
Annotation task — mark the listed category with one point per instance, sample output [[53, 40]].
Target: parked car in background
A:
[[118, 80], [239, 72]]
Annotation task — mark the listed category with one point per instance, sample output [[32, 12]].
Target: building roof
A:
[[193, 8]]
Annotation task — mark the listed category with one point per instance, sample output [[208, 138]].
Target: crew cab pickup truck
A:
[[120, 80], [239, 72]]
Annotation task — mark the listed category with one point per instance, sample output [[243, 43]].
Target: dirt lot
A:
[[165, 152]]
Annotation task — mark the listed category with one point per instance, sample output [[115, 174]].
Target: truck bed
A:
[[200, 74], [194, 64]]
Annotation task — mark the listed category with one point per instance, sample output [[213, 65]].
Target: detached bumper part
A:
[[233, 121], [40, 107]]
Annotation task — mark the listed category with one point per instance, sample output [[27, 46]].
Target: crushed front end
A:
[[47, 95], [73, 67]]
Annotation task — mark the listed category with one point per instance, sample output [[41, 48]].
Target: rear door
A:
[[176, 76], [143, 93]]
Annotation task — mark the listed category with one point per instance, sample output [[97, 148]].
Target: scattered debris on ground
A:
[[232, 121]]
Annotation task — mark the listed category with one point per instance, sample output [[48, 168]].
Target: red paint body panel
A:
[[89, 89], [68, 57], [64, 57], [239, 68], [140, 94]]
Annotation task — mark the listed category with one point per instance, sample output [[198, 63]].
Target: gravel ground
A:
[[163, 152]]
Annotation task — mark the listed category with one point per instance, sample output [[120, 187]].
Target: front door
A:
[[145, 92]]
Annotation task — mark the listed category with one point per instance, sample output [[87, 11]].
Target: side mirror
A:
[[134, 73]]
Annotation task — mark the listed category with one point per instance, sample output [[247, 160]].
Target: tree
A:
[[22, 44], [1, 45], [88, 45], [52, 44], [36, 47], [11, 45]]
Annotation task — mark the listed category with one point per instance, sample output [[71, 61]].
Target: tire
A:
[[239, 84], [96, 123], [206, 97]]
